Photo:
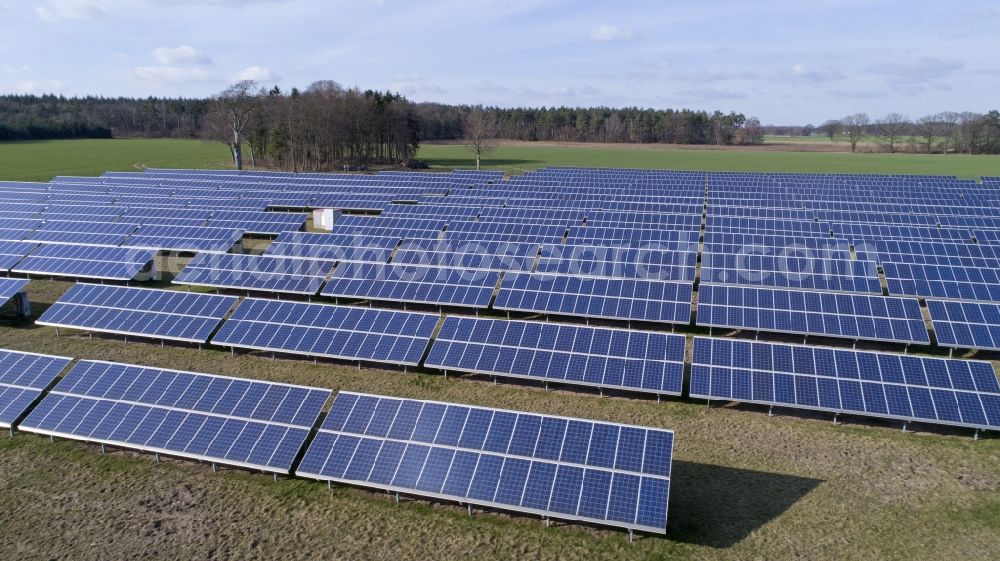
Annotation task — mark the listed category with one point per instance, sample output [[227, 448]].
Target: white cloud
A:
[[919, 71], [172, 74], [38, 87], [183, 54], [611, 33], [255, 73], [811, 74]]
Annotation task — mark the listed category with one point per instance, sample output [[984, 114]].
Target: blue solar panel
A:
[[836, 275], [572, 469], [290, 275], [853, 316], [10, 287], [966, 324], [618, 262], [84, 261], [162, 314], [11, 253], [906, 387], [410, 283], [184, 238], [333, 247], [493, 256], [321, 330], [628, 299], [23, 378], [73, 231], [943, 281], [232, 421], [569, 354]]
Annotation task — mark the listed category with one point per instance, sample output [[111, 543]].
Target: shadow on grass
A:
[[719, 506], [471, 162]]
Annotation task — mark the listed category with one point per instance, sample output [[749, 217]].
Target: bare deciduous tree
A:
[[230, 111], [855, 127], [929, 128], [480, 129], [831, 128], [891, 128]]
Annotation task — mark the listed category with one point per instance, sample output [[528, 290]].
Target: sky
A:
[[783, 61]]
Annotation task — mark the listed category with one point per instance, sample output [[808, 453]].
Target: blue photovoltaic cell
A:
[[966, 324], [10, 287], [853, 316], [630, 299], [233, 421], [411, 283], [86, 262], [838, 275], [23, 377], [905, 387], [269, 273], [162, 314], [943, 281], [572, 469], [570, 354], [322, 330]]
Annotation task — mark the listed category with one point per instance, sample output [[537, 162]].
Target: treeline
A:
[[597, 124], [29, 117], [390, 118], [948, 132]]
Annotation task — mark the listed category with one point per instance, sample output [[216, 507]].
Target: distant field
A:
[[522, 157], [40, 161]]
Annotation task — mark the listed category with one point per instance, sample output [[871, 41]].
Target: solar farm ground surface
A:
[[745, 485], [40, 161]]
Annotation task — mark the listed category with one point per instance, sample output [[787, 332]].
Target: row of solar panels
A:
[[192, 317], [559, 467], [607, 358]]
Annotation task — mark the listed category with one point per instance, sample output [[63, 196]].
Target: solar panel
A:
[[628, 299], [76, 232], [493, 256], [333, 247], [10, 288], [966, 324], [23, 378], [853, 316], [905, 387], [564, 468], [290, 275], [943, 281], [232, 421], [618, 262], [87, 262], [410, 283], [836, 275], [184, 238], [145, 312], [321, 330], [632, 360]]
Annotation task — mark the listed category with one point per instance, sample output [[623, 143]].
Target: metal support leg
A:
[[631, 536], [397, 498], [546, 521], [975, 436], [470, 509], [329, 485], [57, 332], [157, 455], [52, 439], [275, 476], [214, 468], [835, 418], [104, 450], [770, 410]]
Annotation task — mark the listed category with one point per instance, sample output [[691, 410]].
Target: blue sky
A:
[[784, 61]]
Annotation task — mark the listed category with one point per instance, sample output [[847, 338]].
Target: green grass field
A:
[[514, 158], [40, 161]]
